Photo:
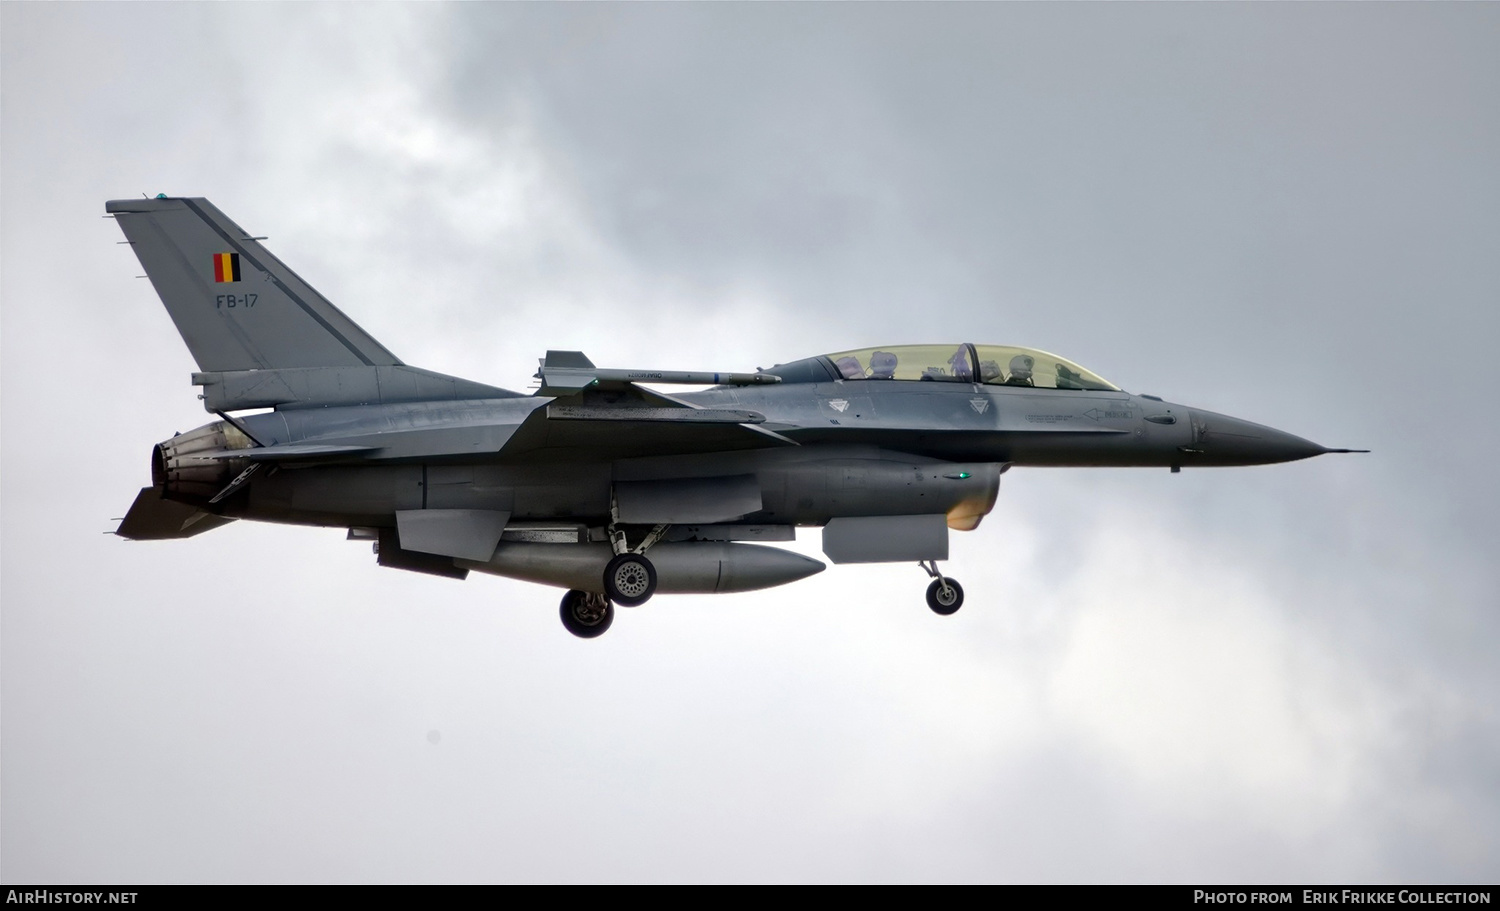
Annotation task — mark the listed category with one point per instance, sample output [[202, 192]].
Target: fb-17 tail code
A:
[[236, 305]]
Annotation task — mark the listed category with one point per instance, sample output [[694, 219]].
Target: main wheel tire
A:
[[945, 596], [630, 580], [586, 614]]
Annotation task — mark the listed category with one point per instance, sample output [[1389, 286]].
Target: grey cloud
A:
[[1287, 213]]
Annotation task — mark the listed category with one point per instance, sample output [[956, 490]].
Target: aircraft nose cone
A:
[[1219, 439]]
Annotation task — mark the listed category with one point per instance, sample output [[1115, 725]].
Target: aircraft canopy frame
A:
[[993, 365]]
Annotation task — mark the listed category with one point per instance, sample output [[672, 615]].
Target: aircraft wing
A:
[[593, 426], [582, 430], [604, 414], [606, 417]]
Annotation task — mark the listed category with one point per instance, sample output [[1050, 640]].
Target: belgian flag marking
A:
[[226, 267]]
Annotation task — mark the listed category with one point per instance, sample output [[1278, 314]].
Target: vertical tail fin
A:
[[236, 306]]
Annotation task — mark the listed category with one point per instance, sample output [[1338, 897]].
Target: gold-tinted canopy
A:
[[998, 365]]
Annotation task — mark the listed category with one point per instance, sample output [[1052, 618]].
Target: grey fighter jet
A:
[[598, 483]]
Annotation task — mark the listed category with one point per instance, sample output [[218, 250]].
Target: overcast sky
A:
[[1287, 213]]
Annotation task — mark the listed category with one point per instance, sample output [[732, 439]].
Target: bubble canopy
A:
[[995, 365]]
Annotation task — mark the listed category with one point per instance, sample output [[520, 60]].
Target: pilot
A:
[[850, 368], [882, 366], [1020, 371]]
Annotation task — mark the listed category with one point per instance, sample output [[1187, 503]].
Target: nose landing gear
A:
[[945, 596]]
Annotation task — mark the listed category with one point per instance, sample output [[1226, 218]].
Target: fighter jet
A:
[[597, 482]]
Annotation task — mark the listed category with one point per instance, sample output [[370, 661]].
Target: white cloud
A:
[[1184, 668], [1230, 676]]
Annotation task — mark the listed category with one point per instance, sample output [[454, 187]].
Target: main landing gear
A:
[[945, 596], [586, 614], [629, 581]]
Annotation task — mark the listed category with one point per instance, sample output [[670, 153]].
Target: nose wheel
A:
[[944, 595], [586, 614]]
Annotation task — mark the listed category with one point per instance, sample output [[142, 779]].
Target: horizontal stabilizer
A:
[[152, 518]]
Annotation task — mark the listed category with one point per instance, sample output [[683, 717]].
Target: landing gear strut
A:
[[629, 579], [586, 614], [945, 596]]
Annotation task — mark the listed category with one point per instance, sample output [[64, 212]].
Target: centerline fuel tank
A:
[[681, 567]]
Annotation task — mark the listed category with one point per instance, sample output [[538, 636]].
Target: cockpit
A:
[[996, 365]]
